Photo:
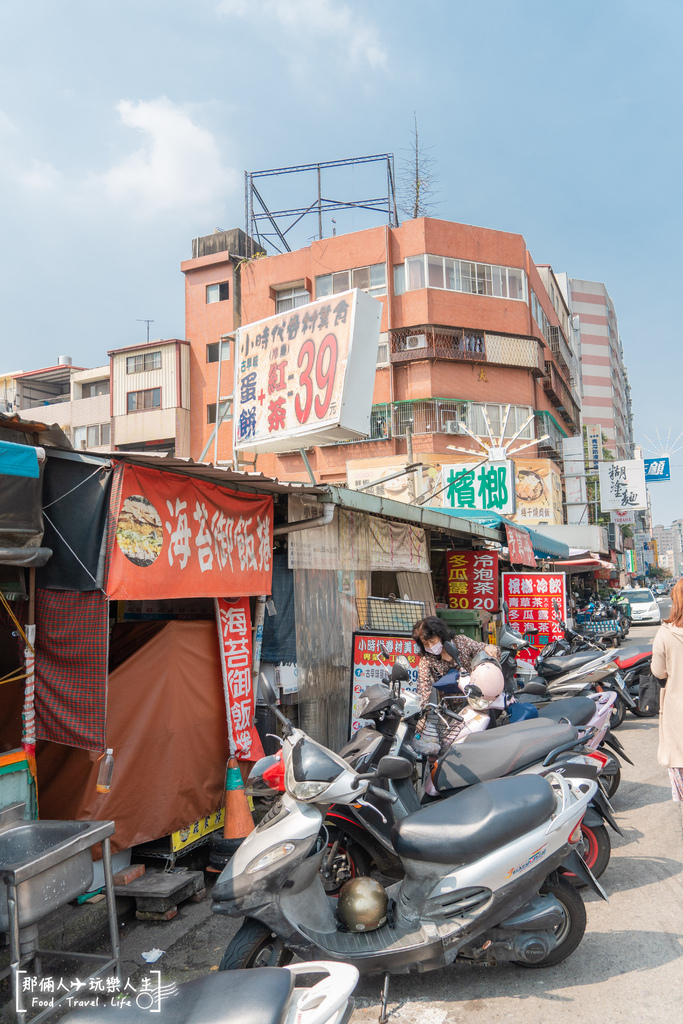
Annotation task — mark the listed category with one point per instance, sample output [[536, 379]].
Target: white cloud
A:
[[346, 34], [6, 124], [178, 166]]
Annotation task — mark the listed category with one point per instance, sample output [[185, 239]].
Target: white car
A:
[[644, 607]]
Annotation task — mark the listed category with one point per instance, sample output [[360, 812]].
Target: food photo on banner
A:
[[531, 599], [472, 579], [175, 536]]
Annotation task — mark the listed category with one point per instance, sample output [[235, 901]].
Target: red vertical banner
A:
[[520, 547], [233, 618], [472, 578], [531, 598]]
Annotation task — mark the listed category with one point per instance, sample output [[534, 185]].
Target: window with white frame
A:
[[519, 414], [291, 298], [214, 348], [218, 292], [144, 361], [451, 275], [371, 279], [93, 436], [139, 400], [538, 314]]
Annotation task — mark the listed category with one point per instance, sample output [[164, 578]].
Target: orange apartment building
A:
[[467, 324]]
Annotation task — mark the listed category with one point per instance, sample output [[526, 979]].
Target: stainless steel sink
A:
[[48, 863]]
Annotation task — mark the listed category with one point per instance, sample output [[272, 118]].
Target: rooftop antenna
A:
[[148, 322]]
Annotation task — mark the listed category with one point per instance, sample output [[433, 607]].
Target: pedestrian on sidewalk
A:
[[667, 666]]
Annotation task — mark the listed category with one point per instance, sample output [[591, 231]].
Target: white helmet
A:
[[488, 678]]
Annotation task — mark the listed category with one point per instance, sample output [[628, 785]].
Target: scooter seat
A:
[[471, 824], [633, 654], [578, 710], [226, 997], [491, 755], [551, 667]]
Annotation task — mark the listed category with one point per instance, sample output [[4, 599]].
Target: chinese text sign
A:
[[488, 487], [622, 485], [370, 667], [181, 537], [520, 548], [472, 578], [530, 599], [233, 619], [292, 370], [657, 469]]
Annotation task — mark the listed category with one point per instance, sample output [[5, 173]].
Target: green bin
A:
[[462, 620]]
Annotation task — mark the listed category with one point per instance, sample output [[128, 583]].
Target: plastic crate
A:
[[461, 620]]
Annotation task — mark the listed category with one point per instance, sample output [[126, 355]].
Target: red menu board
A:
[[472, 578], [529, 597], [234, 635]]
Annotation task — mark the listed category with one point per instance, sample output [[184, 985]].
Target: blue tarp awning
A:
[[543, 545], [18, 460]]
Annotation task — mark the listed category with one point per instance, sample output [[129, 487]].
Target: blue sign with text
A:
[[657, 469]]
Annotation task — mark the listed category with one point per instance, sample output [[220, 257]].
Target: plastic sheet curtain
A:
[[325, 611], [417, 586]]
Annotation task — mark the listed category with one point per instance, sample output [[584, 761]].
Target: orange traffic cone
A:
[[238, 821]]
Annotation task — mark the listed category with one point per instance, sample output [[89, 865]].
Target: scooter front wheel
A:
[[569, 933], [254, 945], [617, 714]]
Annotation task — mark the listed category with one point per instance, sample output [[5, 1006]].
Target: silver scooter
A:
[[480, 882]]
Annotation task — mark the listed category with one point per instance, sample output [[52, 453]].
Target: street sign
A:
[[487, 487], [594, 439], [306, 377], [657, 469]]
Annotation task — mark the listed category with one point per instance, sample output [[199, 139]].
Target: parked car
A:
[[644, 607]]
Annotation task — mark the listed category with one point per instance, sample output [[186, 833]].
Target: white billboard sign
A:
[[490, 487], [622, 485], [623, 516], [594, 440], [306, 377]]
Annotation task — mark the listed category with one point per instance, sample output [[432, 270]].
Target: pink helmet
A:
[[488, 678]]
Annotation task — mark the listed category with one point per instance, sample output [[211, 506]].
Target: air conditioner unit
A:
[[416, 341], [451, 427]]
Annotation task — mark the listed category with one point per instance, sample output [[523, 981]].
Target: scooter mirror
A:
[[452, 650], [391, 767], [399, 673], [266, 690], [506, 612]]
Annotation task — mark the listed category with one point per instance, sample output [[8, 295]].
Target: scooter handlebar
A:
[[382, 794]]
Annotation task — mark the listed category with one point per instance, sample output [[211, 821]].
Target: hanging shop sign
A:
[[531, 598], [622, 485], [657, 469], [472, 578], [538, 492], [179, 537], [623, 516], [369, 667], [594, 441], [488, 487], [234, 636], [520, 548], [306, 377]]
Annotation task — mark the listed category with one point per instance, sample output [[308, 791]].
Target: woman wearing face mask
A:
[[430, 635]]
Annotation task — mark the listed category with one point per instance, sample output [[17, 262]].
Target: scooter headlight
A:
[[271, 857], [303, 791]]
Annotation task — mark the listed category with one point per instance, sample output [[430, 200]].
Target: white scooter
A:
[[480, 870], [233, 998]]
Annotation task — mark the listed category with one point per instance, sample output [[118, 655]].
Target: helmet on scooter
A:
[[485, 685], [362, 905]]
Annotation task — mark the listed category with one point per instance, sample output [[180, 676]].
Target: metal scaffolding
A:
[[276, 236]]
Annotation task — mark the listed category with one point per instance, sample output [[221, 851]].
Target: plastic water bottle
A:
[[106, 772]]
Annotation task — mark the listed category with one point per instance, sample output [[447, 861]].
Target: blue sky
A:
[[126, 127]]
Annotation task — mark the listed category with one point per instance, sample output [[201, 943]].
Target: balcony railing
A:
[[559, 394], [453, 343]]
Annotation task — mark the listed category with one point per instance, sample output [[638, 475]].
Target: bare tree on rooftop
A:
[[418, 179]]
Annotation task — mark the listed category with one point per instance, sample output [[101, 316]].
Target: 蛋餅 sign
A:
[[306, 377]]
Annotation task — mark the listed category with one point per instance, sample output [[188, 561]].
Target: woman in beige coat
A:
[[667, 663]]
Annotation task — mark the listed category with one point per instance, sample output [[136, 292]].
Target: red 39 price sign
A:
[[292, 370]]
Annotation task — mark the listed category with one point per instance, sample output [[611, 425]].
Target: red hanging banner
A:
[[178, 536], [520, 547], [472, 578], [234, 637]]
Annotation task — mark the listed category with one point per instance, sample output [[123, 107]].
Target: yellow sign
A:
[[185, 837]]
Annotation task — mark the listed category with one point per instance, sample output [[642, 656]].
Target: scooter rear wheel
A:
[[596, 850], [568, 934], [254, 946], [617, 714], [610, 776]]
